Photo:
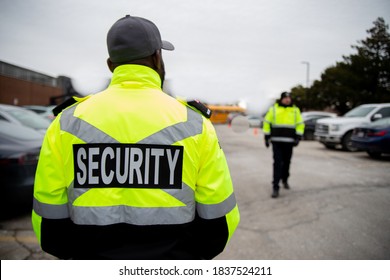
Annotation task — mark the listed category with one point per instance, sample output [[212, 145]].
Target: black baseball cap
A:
[[132, 38], [285, 94]]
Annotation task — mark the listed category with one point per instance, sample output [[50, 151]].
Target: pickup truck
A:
[[333, 132]]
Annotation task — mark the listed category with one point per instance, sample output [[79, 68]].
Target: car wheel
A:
[[374, 154], [348, 144]]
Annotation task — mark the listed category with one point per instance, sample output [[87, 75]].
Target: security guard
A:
[[283, 126], [130, 172]]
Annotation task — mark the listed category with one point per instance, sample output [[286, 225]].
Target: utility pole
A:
[[307, 73]]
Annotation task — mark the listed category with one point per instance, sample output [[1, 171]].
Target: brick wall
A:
[[20, 92]]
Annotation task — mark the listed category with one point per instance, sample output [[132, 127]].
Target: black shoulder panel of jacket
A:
[[200, 107], [58, 109]]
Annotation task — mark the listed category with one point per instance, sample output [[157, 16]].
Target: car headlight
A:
[[334, 127]]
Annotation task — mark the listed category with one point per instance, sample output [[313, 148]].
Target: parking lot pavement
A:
[[337, 207], [18, 241]]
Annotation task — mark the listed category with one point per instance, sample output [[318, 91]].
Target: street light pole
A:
[[307, 73]]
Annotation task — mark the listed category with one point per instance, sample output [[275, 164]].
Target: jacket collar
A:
[[135, 75]]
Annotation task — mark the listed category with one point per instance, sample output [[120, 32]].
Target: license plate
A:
[[360, 134]]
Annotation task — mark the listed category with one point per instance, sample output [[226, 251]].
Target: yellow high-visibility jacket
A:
[[132, 173], [283, 123]]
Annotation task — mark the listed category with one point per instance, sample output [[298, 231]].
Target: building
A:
[[21, 86]]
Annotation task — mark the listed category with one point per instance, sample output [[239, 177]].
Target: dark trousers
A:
[[282, 153]]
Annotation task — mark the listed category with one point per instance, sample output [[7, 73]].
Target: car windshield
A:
[[29, 118], [316, 115], [308, 117], [359, 112]]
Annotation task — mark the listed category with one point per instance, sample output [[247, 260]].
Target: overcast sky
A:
[[226, 50]]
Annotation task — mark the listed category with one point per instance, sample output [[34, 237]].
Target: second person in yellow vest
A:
[[283, 126]]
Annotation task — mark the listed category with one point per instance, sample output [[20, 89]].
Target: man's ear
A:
[[110, 65]]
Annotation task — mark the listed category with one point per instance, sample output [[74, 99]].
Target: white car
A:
[[22, 116], [338, 131], [310, 118], [45, 111]]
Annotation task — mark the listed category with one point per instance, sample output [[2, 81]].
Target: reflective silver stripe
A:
[[186, 195], [295, 115], [213, 211], [114, 214], [51, 211], [177, 132], [167, 136], [106, 215], [73, 193], [284, 126], [282, 139], [274, 109], [135, 215], [83, 130]]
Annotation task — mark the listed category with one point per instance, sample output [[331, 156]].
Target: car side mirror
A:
[[376, 117]]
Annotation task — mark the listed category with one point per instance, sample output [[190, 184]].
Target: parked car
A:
[[19, 152], [338, 131], [310, 118], [44, 111], [23, 116], [373, 138], [255, 121]]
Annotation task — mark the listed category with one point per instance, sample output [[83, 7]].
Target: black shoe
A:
[[275, 194], [286, 186]]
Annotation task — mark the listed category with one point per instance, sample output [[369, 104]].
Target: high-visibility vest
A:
[[139, 157], [283, 124]]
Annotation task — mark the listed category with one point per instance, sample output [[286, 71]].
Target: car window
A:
[[385, 112], [359, 111], [384, 122], [317, 116], [308, 115]]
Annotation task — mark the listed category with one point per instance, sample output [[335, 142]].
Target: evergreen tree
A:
[[372, 64], [361, 78]]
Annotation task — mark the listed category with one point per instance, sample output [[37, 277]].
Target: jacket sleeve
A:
[[267, 122], [217, 211], [50, 217], [300, 124]]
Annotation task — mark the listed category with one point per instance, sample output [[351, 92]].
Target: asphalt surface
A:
[[337, 207]]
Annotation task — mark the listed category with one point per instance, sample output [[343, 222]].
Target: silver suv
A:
[[337, 131]]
